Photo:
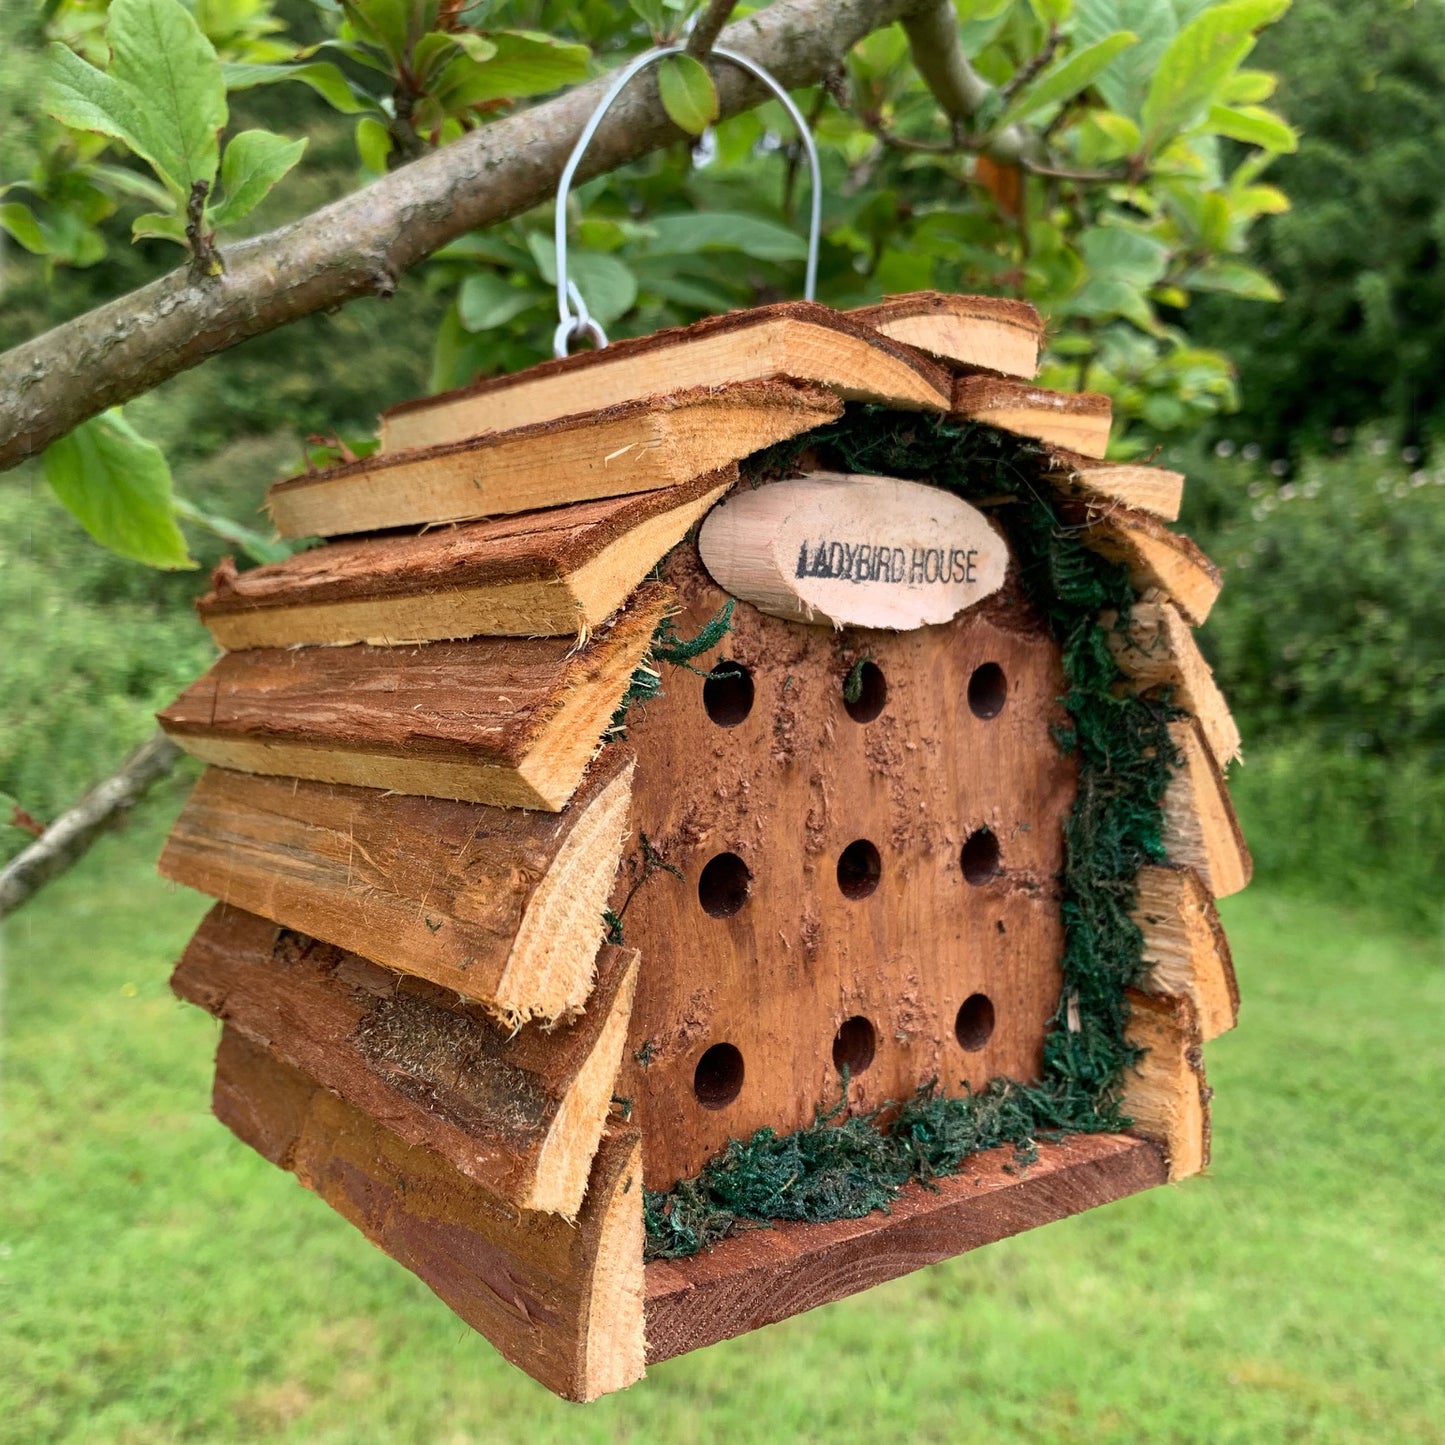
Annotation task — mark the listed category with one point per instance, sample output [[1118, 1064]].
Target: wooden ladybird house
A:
[[786, 785]]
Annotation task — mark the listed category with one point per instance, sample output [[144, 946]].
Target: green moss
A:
[[834, 1170]]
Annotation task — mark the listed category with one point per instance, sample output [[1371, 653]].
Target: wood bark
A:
[[796, 339], [767, 1275], [501, 905], [988, 332], [562, 1301], [539, 574], [1078, 420], [1165, 1093], [509, 721], [361, 244], [774, 952], [635, 446], [69, 837], [521, 1111]]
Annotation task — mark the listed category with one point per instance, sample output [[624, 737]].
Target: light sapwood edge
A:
[[1159, 648], [1166, 1093], [1157, 559], [541, 978], [774, 347], [1151, 490], [1185, 946], [746, 545], [961, 339], [1076, 421], [565, 1158], [583, 457], [533, 1288], [1201, 830]]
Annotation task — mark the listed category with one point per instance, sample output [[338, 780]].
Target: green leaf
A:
[[477, 47], [373, 144], [1198, 63], [1125, 80], [326, 79], [1123, 255], [159, 225], [608, 287], [488, 299], [254, 161], [1249, 87], [257, 547], [688, 95], [386, 23], [1064, 80], [694, 231], [20, 222], [1253, 125], [117, 485], [526, 64], [1234, 278]]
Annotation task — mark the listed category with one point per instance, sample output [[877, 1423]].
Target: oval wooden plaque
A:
[[853, 550]]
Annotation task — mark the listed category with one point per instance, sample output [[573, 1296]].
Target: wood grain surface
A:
[[1201, 828], [1076, 420], [563, 1301], [1185, 947], [1106, 486], [1160, 562], [609, 451], [501, 905], [1166, 1093], [787, 791], [797, 339], [991, 332], [520, 1111], [767, 1275], [559, 572], [506, 720]]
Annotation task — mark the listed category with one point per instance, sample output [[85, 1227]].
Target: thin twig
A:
[[709, 26]]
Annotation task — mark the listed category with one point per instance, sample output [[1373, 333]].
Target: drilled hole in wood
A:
[[728, 694], [718, 1078], [865, 690], [854, 1045], [974, 1025], [722, 887], [980, 857], [987, 690], [859, 869]]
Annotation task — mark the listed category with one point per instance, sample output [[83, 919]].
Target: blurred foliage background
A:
[[1254, 276]]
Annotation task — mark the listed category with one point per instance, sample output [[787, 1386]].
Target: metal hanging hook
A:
[[579, 322]]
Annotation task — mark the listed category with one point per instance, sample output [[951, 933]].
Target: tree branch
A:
[[68, 838], [360, 244], [709, 26]]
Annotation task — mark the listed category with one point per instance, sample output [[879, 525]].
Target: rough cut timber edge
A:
[[1158, 649], [994, 333], [1165, 1093], [1105, 486], [501, 905], [554, 573], [520, 1112], [633, 446], [809, 342], [561, 1301], [1201, 829], [766, 1275], [508, 721], [1185, 946], [1156, 559], [1077, 420]]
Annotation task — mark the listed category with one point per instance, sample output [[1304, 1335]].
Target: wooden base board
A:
[[767, 1275], [561, 1301]]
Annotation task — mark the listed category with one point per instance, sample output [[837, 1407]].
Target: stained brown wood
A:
[[1185, 947], [792, 338], [1152, 490], [1159, 561], [510, 721], [1158, 649], [562, 1301], [787, 790], [991, 332], [538, 574], [1165, 1093], [1201, 830], [634, 446], [1076, 420], [500, 905], [768, 1275], [832, 548], [521, 1111]]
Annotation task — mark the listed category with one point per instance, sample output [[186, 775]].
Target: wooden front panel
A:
[[787, 790]]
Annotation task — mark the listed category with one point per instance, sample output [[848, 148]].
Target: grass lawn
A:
[[159, 1283]]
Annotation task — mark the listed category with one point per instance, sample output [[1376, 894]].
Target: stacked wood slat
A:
[[416, 810]]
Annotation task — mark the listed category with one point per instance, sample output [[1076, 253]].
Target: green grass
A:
[[160, 1283]]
